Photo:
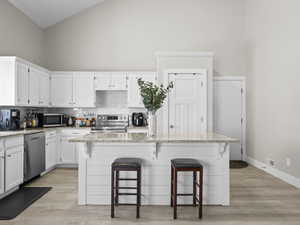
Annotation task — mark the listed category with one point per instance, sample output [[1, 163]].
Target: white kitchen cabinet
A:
[[83, 89], [20, 83], [62, 89], [13, 167], [44, 89], [110, 81], [134, 95], [102, 81], [68, 151], [51, 149], [70, 89], [22, 78], [34, 82]]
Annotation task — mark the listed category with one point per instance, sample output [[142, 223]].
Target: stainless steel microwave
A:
[[51, 120]]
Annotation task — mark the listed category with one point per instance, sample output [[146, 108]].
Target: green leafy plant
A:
[[153, 95]]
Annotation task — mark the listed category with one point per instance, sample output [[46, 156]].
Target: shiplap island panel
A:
[[97, 151]]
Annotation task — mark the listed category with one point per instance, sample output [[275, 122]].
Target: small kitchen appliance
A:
[[111, 124], [51, 120], [10, 119], [138, 119]]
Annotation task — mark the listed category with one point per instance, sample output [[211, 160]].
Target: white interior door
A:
[[228, 112], [188, 104]]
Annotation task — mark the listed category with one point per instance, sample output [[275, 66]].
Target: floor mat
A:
[[14, 204], [238, 164]]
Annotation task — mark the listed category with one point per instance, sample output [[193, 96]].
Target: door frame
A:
[[244, 114], [165, 113]]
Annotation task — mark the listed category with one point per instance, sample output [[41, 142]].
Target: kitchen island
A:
[[98, 150]]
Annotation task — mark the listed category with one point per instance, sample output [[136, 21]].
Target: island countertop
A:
[[143, 138]]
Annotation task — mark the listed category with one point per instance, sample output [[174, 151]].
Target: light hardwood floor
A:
[[256, 199]]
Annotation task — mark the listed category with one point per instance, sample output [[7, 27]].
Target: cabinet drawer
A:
[[74, 132], [11, 142], [14, 150], [49, 134]]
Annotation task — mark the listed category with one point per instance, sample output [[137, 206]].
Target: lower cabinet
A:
[[14, 167], [51, 151], [68, 151], [1, 170]]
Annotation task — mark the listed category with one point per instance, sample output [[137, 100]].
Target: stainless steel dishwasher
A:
[[34, 155]]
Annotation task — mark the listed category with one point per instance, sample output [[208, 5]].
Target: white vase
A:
[[151, 124]]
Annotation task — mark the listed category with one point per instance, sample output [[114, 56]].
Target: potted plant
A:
[[153, 98]]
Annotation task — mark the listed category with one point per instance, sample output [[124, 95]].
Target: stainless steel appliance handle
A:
[[35, 138], [25, 160]]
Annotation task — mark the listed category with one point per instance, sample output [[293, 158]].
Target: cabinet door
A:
[[44, 89], [103, 81], [34, 82], [13, 167], [68, 151], [1, 171], [62, 90], [118, 81], [84, 92], [51, 153], [134, 95], [22, 76]]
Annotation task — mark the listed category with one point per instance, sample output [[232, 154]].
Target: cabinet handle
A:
[[9, 156]]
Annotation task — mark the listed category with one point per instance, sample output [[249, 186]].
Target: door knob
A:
[[171, 126]]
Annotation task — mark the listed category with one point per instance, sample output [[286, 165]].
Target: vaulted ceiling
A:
[[49, 12]]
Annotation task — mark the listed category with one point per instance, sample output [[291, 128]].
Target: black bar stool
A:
[[125, 164], [187, 165]]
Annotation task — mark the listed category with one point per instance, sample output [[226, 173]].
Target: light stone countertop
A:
[[143, 138], [35, 130]]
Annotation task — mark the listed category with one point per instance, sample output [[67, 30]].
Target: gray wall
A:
[[124, 34], [19, 36], [273, 55]]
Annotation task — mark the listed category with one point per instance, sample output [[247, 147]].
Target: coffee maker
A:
[[138, 120], [9, 119]]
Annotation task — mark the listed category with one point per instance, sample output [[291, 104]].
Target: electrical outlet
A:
[[271, 162], [288, 162]]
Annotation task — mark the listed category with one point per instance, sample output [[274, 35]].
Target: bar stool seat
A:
[[125, 164], [186, 163]]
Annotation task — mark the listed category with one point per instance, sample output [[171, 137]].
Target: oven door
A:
[[54, 120]]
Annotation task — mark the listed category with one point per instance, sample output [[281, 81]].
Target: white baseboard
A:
[[275, 172]]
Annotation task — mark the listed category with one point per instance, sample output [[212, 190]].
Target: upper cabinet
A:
[[83, 90], [62, 89], [134, 95], [23, 83], [110, 81], [72, 89]]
